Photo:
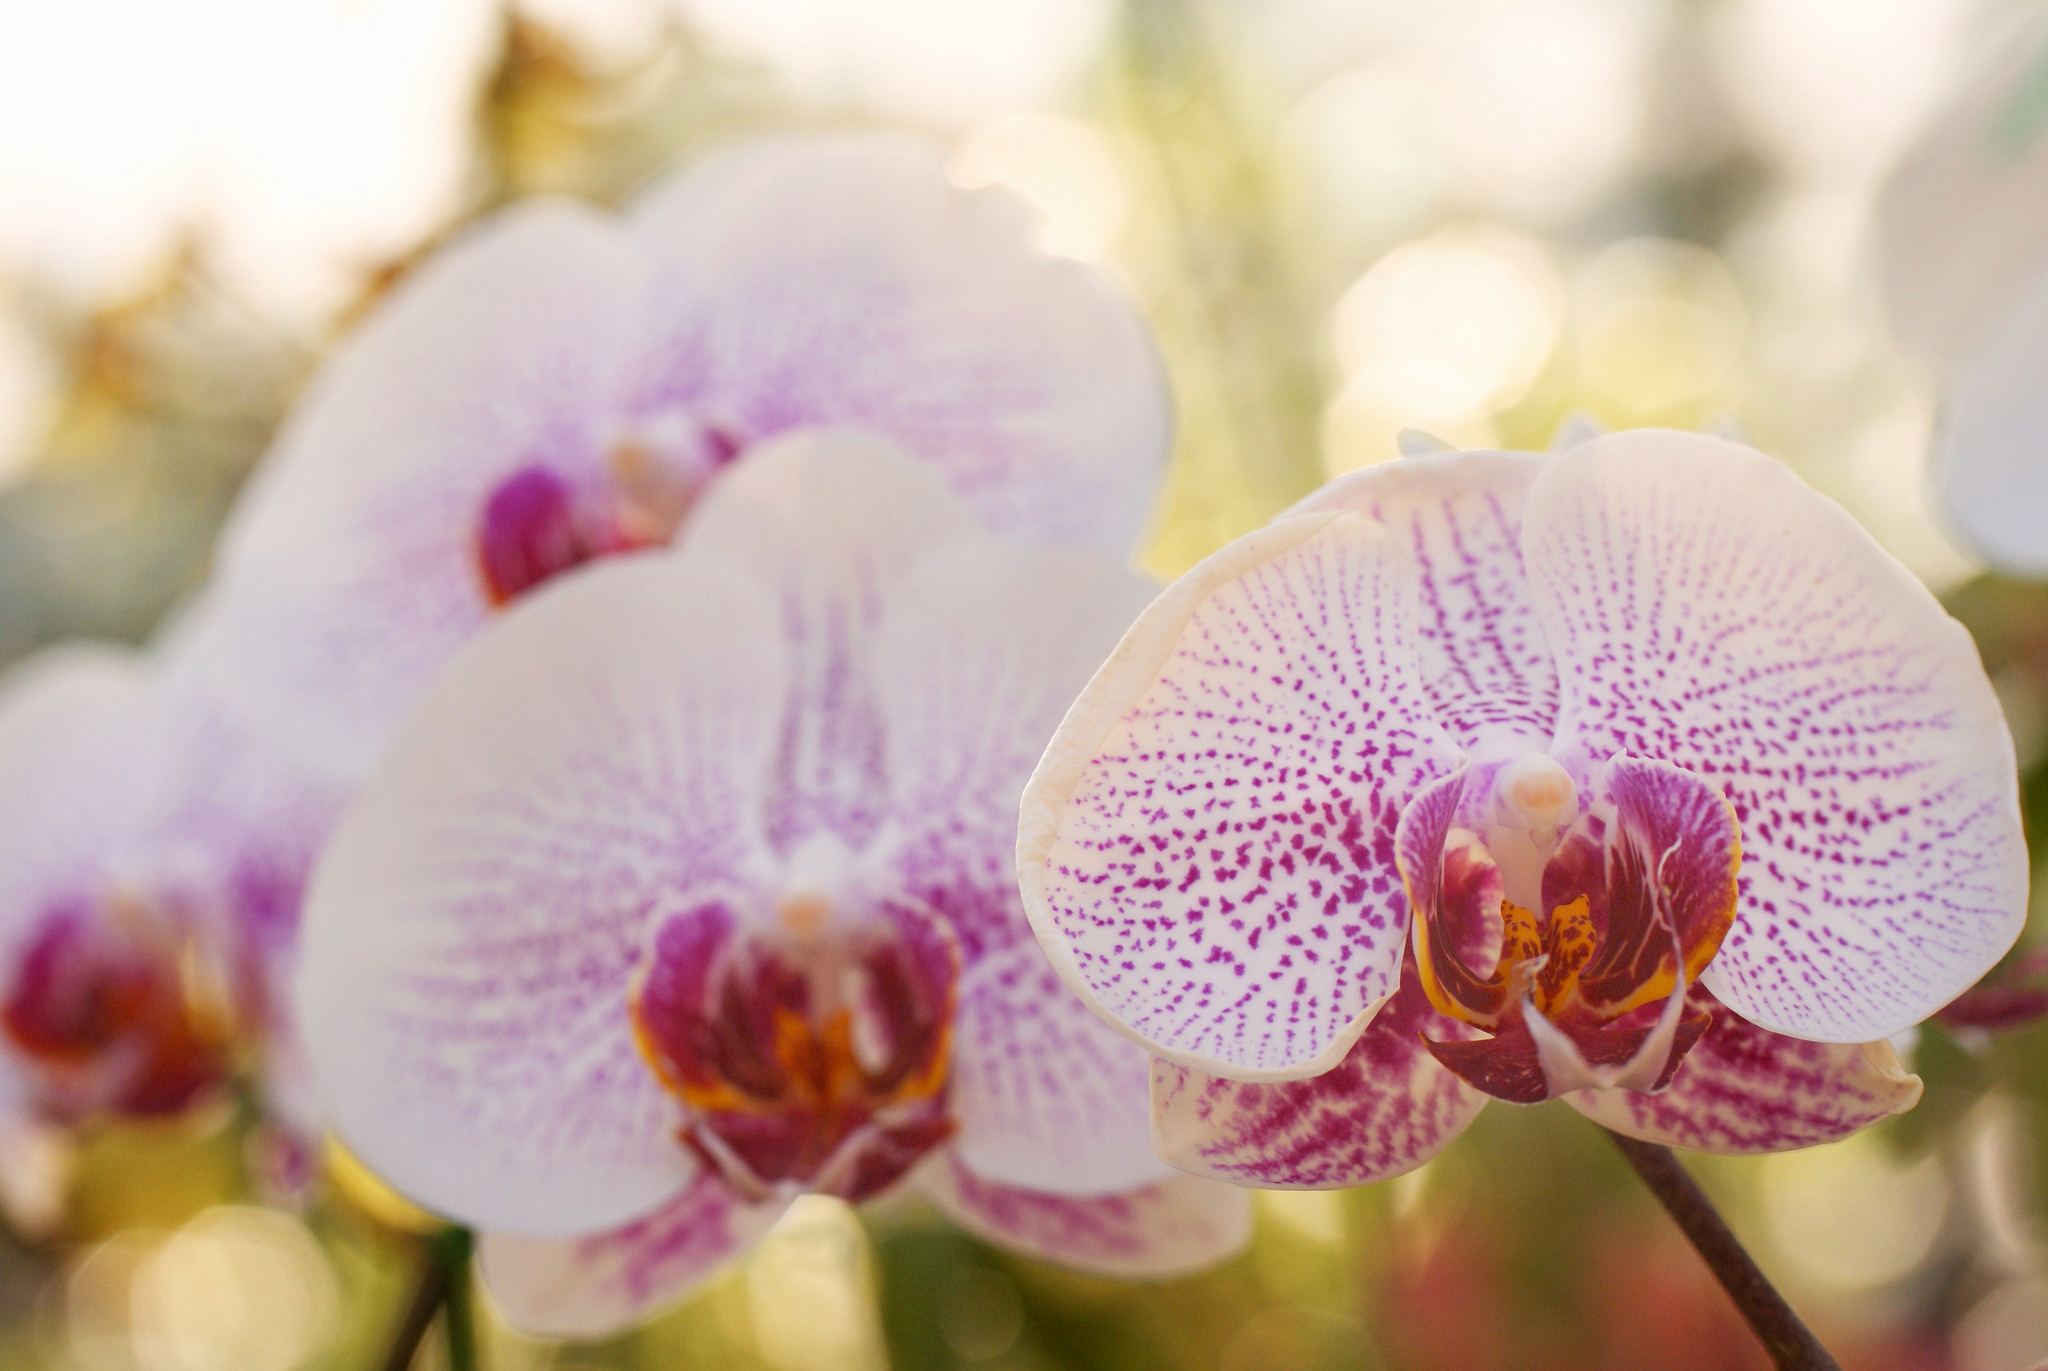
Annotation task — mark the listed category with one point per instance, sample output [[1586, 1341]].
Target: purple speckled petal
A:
[[1745, 1089], [599, 1284], [1711, 611], [1045, 1095], [349, 570], [1485, 662], [1206, 850], [841, 279], [588, 765], [984, 648], [1386, 1109], [829, 522], [1170, 1228]]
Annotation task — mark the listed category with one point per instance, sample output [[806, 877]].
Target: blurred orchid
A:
[[687, 888], [151, 864], [1636, 774], [559, 386], [1963, 223]]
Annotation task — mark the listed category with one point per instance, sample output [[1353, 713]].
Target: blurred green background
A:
[[1344, 218]]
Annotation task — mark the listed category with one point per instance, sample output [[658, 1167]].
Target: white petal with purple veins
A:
[[591, 763], [598, 1284], [984, 648], [1709, 610], [1170, 1228], [1206, 850], [1485, 662], [1744, 1089], [842, 280], [829, 522], [1046, 1095], [1386, 1109], [350, 567]]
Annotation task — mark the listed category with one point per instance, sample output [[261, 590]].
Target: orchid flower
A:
[[1635, 774], [151, 862], [687, 887], [558, 386], [1962, 224]]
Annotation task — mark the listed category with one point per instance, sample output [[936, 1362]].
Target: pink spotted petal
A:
[[1170, 1228], [1746, 1089], [350, 568], [592, 762], [1207, 848], [1485, 662], [984, 648], [841, 279], [1710, 611], [1386, 1109], [600, 1284], [1044, 1094]]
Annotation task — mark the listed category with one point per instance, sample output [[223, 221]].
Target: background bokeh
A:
[[1345, 218]]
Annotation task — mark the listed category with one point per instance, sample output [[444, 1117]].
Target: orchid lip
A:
[[1631, 900], [113, 1012], [810, 1051]]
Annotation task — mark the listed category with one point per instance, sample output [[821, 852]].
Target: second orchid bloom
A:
[[1636, 775]]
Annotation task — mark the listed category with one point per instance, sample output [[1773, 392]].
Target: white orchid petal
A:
[[596, 1285], [349, 571], [593, 761], [984, 647], [1485, 662], [1170, 1228], [840, 279], [1047, 1096], [1710, 611], [1385, 1110], [1205, 850]]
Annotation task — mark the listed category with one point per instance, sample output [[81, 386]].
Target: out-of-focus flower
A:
[[561, 386], [1961, 226], [151, 863], [1694, 794], [687, 888]]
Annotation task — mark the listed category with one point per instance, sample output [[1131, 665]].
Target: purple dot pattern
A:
[[1710, 611], [1173, 1226], [1223, 877], [1485, 663], [1744, 1089], [594, 1285], [1047, 1095], [1386, 1109]]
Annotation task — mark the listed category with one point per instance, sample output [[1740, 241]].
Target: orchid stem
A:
[[1791, 1344], [442, 1288]]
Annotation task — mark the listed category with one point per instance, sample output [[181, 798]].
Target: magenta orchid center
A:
[[1567, 928], [113, 1012], [537, 523], [809, 1048]]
